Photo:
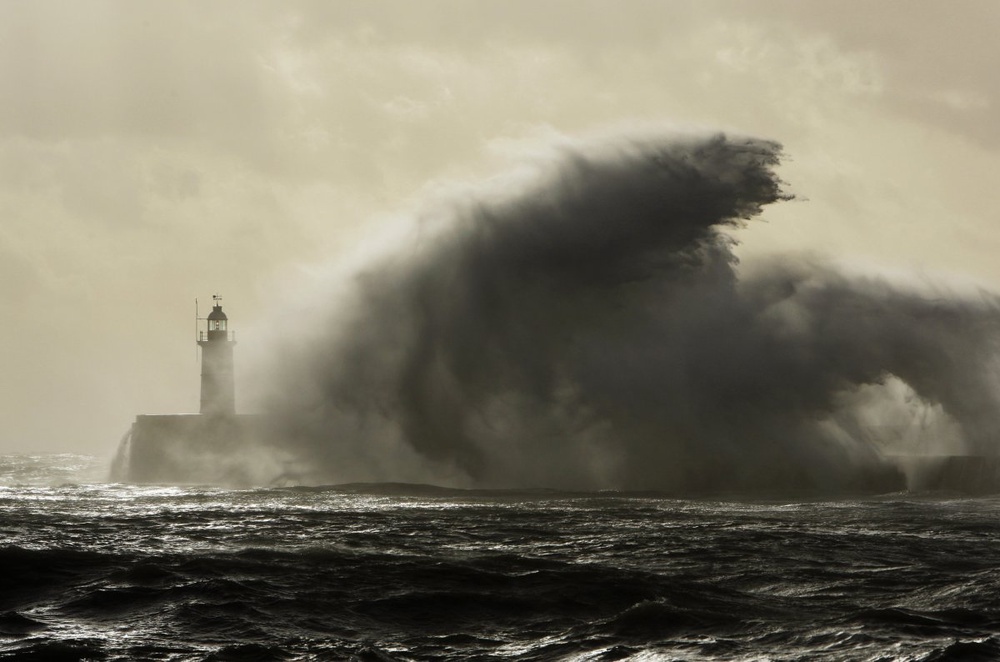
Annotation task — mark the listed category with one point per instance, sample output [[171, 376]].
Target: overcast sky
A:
[[154, 152]]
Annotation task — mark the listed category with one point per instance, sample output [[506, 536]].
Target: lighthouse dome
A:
[[217, 314]]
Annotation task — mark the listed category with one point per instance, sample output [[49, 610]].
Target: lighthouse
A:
[[218, 391], [212, 446]]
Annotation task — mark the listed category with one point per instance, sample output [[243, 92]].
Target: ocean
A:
[[91, 570]]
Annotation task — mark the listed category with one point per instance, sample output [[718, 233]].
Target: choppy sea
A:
[[91, 570]]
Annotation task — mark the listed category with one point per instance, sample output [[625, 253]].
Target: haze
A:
[[154, 152]]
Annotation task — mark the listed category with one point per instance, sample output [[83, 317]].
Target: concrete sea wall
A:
[[197, 449]]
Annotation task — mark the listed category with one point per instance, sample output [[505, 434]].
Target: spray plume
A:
[[590, 330]]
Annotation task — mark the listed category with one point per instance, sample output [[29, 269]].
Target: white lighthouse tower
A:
[[218, 390]]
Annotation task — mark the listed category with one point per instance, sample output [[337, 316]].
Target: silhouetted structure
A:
[[216, 445], [218, 390]]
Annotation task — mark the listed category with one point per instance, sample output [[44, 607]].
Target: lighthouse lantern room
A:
[[218, 391]]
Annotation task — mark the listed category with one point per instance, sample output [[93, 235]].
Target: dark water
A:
[[90, 570]]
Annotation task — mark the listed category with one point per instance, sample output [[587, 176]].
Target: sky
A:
[[157, 152]]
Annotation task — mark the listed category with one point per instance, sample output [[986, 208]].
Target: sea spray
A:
[[587, 328]]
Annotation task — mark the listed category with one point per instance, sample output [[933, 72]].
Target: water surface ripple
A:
[[116, 572]]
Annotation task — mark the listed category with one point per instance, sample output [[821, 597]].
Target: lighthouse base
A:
[[214, 449]]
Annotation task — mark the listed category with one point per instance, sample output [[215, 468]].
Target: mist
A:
[[584, 324]]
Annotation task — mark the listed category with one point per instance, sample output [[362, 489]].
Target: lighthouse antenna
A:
[[196, 330]]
